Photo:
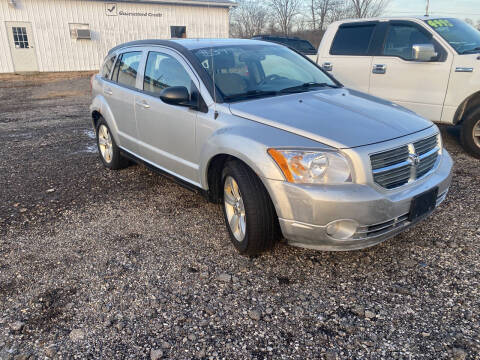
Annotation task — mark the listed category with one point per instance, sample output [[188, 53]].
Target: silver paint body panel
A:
[[183, 142]]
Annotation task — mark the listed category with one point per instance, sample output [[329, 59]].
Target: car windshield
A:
[[464, 38], [251, 71]]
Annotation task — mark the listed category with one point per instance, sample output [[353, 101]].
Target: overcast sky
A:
[[454, 8]]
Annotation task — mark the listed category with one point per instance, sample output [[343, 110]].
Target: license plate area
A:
[[423, 204]]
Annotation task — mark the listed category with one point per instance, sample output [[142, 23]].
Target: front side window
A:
[[126, 68], [401, 38], [163, 71], [464, 38], [246, 71], [20, 37], [352, 40], [107, 67]]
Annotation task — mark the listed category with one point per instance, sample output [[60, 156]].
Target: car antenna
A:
[[215, 112]]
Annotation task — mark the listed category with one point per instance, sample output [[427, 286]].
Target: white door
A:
[[396, 76], [22, 46], [348, 59]]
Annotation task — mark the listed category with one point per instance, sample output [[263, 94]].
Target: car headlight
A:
[[312, 167]]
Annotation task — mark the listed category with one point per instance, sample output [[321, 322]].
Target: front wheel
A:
[[249, 213], [471, 133]]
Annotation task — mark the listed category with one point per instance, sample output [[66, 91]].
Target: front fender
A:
[[99, 104], [239, 145], [249, 142]]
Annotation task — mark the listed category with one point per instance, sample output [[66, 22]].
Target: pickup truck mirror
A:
[[176, 95], [423, 52]]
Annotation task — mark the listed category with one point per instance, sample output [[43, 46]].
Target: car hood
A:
[[341, 118]]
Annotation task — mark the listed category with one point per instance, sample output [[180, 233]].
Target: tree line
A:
[[304, 18]]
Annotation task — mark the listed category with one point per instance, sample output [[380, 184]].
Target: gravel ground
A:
[[127, 264]]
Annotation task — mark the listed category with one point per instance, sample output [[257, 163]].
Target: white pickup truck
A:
[[428, 65]]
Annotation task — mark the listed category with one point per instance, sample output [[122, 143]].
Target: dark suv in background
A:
[[302, 46]]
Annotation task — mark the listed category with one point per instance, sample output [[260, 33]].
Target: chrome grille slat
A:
[[389, 157], [423, 146], [394, 172], [396, 167], [397, 177]]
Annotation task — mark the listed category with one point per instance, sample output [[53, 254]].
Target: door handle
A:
[[143, 104], [107, 91], [463, 69], [327, 66], [379, 69]]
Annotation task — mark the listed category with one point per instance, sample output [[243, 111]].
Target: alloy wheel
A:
[[105, 143], [234, 208], [476, 133]]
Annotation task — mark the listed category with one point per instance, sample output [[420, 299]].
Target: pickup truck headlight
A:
[[312, 167]]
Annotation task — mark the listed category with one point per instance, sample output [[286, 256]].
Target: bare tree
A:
[[313, 12], [324, 8], [284, 12], [248, 19], [342, 9], [369, 8]]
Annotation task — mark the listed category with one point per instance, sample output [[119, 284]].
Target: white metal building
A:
[[75, 35]]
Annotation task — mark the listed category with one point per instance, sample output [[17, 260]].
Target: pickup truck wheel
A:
[[249, 212], [107, 148], [471, 133]]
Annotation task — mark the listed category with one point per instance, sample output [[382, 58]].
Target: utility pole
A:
[[426, 10]]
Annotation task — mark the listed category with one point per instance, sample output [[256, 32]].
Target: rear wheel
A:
[[471, 133], [248, 210], [108, 149]]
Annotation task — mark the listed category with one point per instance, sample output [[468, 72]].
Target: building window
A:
[[74, 30], [20, 37], [178, 32]]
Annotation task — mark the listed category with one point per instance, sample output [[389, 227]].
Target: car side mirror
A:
[[176, 95], [423, 52]]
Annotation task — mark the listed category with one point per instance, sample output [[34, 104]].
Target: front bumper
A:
[[304, 211]]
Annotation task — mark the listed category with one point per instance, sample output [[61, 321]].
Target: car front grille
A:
[[402, 165]]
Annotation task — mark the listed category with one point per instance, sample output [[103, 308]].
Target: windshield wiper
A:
[[471, 50], [251, 95], [306, 87]]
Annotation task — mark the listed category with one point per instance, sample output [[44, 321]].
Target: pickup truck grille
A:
[[405, 164]]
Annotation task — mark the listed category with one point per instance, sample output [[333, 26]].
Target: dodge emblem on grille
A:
[[414, 158]]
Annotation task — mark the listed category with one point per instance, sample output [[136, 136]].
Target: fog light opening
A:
[[342, 229]]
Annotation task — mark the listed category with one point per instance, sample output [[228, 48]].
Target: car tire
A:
[[244, 196], [107, 148], [470, 133]]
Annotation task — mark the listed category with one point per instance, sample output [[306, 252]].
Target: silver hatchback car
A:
[[279, 143]]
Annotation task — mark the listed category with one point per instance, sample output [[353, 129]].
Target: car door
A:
[[398, 77], [349, 57], [119, 93], [167, 132]]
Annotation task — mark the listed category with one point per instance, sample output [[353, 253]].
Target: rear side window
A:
[[126, 68], [352, 40], [163, 71], [107, 67]]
